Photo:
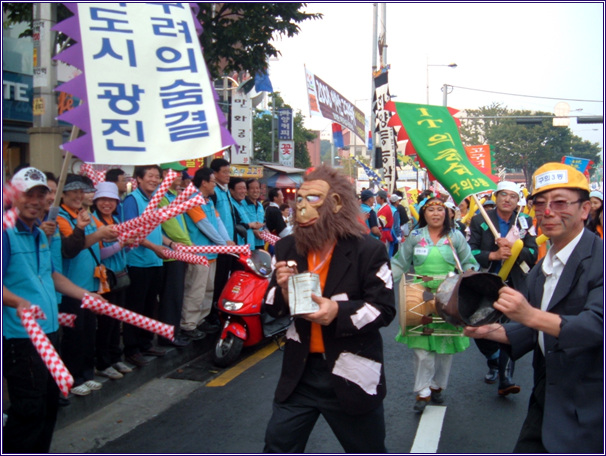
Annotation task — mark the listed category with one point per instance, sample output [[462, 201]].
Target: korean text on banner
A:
[[287, 153], [435, 137], [241, 127], [580, 164], [285, 124], [324, 101], [386, 141], [147, 96]]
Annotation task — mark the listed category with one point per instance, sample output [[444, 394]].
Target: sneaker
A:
[[137, 359], [154, 351], [194, 334], [122, 368], [81, 390], [436, 396], [93, 385], [492, 376], [110, 372], [421, 403]]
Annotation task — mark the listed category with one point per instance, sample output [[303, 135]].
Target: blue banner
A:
[[580, 164], [17, 99], [285, 124]]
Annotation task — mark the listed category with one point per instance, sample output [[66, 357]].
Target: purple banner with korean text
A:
[[145, 89]]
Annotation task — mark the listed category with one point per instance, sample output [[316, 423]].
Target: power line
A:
[[526, 96]]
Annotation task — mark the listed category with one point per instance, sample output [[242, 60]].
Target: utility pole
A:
[[46, 135], [375, 46], [274, 154]]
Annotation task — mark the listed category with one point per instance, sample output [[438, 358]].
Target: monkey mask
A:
[[310, 197]]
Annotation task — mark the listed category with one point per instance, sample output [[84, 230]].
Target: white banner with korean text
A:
[[148, 96], [287, 153], [241, 128]]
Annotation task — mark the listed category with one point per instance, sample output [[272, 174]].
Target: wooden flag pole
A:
[[54, 209], [496, 234]]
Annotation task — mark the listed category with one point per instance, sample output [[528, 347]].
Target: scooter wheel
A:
[[227, 350]]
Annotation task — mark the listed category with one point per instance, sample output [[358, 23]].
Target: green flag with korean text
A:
[[435, 136]]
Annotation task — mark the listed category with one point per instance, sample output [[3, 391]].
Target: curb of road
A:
[[82, 406]]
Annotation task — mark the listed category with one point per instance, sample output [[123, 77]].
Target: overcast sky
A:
[[554, 51]]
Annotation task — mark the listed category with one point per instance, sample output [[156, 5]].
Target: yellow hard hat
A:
[[557, 175]]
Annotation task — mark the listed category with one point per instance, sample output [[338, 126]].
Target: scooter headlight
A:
[[232, 305]]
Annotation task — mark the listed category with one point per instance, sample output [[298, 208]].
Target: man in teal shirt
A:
[[33, 393]]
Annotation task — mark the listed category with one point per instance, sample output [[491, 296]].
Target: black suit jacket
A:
[[573, 418], [482, 242], [360, 279]]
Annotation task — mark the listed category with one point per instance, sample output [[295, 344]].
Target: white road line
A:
[[429, 430]]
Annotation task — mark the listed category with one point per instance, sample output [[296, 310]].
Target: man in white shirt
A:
[[562, 321]]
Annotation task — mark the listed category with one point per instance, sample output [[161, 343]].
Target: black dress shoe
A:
[[137, 359], [180, 341], [209, 328], [194, 334], [154, 351]]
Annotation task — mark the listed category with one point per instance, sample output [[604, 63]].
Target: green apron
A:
[[435, 265]]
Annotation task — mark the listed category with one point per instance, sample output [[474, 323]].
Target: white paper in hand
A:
[[300, 288]]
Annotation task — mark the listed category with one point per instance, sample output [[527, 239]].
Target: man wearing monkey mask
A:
[[333, 357]]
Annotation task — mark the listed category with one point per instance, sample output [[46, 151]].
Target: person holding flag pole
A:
[[511, 253]]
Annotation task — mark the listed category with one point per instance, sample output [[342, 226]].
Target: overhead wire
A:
[[525, 96]]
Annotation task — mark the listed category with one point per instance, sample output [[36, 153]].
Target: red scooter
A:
[[240, 306]]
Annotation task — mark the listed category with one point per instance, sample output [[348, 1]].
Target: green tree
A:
[[236, 37], [523, 147], [262, 136]]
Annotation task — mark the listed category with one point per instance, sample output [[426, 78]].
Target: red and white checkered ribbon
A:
[[9, 195], [96, 176], [185, 257], [185, 194], [268, 237], [221, 249], [68, 320], [140, 227], [65, 319], [47, 352], [9, 218], [127, 316], [161, 191]]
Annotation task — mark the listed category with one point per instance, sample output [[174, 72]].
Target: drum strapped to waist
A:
[[418, 309]]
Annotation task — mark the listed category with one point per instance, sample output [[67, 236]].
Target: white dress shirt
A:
[[553, 265]]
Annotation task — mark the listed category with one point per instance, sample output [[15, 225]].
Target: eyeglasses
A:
[[556, 206]]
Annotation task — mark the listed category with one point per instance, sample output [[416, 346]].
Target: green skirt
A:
[[445, 345]]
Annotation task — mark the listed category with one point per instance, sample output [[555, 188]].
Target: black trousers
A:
[[141, 297], [107, 346], [78, 343], [293, 420], [34, 397], [531, 435], [171, 293]]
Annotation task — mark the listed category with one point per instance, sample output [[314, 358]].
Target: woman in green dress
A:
[[430, 249]]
